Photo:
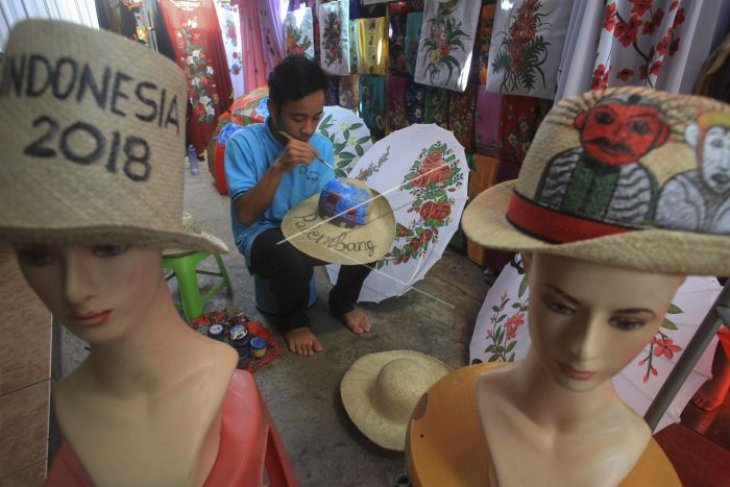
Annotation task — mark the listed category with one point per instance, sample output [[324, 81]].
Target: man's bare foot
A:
[[356, 321], [302, 341]]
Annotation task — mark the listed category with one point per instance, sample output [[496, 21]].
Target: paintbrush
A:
[[289, 137]]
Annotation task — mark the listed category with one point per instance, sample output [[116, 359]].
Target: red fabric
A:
[[246, 430], [554, 226], [198, 43]]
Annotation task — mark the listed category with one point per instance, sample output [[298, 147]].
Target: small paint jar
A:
[[258, 347], [217, 331]]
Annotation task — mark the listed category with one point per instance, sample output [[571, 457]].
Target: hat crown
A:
[[346, 201], [398, 387], [626, 159], [92, 131]]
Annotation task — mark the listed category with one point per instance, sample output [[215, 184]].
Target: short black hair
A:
[[294, 78]]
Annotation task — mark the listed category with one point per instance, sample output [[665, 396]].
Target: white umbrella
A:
[[422, 170], [501, 334], [349, 135]]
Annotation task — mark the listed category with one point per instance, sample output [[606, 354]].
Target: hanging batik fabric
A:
[[461, 116], [354, 43], [414, 21], [254, 66], [332, 92], [350, 91], [230, 24], [373, 46], [405, 7], [436, 106], [299, 32], [519, 119], [526, 47], [334, 35], [397, 102], [372, 104], [447, 42], [200, 54], [482, 44], [486, 124], [415, 102], [272, 32], [397, 43]]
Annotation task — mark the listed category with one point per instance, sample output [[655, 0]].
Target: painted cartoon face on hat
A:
[[716, 158], [621, 132]]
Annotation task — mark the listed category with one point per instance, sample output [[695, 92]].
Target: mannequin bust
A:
[[151, 387], [592, 214], [91, 190], [556, 414]]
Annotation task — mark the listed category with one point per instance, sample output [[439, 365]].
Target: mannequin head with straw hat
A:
[[91, 182], [622, 194]]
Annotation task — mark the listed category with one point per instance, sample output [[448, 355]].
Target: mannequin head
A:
[[589, 320], [99, 292]]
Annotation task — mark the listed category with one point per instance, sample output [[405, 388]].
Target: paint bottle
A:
[[217, 331], [258, 347], [239, 339], [193, 159]]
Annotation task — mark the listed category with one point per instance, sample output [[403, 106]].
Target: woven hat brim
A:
[[380, 230], [357, 384], [651, 250], [123, 235]]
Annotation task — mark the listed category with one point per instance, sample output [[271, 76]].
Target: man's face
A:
[[716, 159], [298, 118]]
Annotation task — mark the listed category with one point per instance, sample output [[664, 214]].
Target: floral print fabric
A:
[[334, 35], [414, 21], [299, 32], [526, 47], [397, 102], [482, 44], [487, 122], [519, 118], [446, 44], [372, 46], [436, 106], [461, 116], [415, 102], [200, 54], [372, 104], [397, 44], [350, 91], [230, 25], [332, 93]]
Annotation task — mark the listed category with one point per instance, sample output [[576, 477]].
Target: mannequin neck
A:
[[149, 357], [550, 405]]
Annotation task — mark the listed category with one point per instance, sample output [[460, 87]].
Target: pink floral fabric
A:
[[487, 122]]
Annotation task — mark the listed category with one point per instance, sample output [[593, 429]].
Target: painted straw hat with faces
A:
[[92, 129], [630, 177]]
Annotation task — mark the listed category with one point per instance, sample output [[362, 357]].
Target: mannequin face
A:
[[298, 118], [98, 292], [588, 321]]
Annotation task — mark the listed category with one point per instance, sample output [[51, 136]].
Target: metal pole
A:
[[718, 313]]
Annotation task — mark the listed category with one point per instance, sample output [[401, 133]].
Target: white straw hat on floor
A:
[[380, 391]]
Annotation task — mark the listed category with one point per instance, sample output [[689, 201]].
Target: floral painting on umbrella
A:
[[447, 41], [349, 135], [431, 180]]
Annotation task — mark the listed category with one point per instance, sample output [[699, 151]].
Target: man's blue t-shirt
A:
[[249, 154]]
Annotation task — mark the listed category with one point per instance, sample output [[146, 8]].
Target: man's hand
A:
[[295, 152]]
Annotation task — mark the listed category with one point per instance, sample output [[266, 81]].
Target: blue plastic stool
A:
[[265, 299]]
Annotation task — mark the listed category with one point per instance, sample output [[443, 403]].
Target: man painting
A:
[[271, 167]]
